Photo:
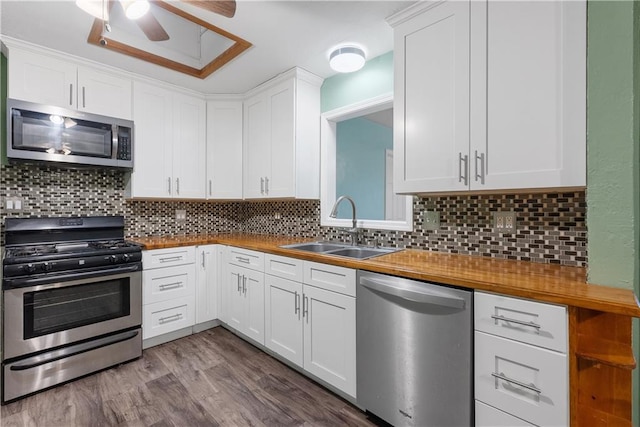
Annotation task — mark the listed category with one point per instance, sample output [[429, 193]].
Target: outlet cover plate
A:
[[431, 220], [181, 215], [504, 222]]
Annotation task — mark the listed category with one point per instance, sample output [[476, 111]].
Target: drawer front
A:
[[488, 416], [168, 257], [167, 316], [531, 322], [246, 258], [525, 381], [330, 277], [163, 284], [287, 268]]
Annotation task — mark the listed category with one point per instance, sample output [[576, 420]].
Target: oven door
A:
[[43, 317]]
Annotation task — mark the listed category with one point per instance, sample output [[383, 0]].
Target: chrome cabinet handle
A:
[[481, 175], [170, 318], [503, 377], [243, 260], [83, 98], [244, 284], [305, 307], [210, 192], [203, 259], [238, 282], [462, 159], [169, 184], [519, 322], [261, 185], [266, 185], [70, 94], [296, 303], [166, 286], [177, 185], [171, 258]]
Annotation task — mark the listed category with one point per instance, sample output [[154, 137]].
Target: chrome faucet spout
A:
[[354, 232]]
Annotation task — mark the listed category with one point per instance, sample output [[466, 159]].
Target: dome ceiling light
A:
[[347, 59]]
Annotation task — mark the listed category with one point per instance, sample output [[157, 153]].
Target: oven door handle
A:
[[54, 279], [41, 359]]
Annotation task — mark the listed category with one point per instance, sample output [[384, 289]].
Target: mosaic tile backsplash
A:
[[550, 228]]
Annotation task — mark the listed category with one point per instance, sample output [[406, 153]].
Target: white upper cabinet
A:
[[491, 95], [224, 149], [282, 138], [47, 80], [169, 149]]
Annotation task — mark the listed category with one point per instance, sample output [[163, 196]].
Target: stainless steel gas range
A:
[[72, 300]]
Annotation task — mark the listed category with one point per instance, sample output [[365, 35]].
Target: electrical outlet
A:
[[13, 203], [431, 220], [277, 215], [181, 215], [504, 221]]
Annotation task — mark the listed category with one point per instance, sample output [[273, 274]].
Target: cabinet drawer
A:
[[163, 284], [167, 316], [287, 268], [517, 378], [330, 277], [531, 322], [488, 416], [169, 257], [246, 258]]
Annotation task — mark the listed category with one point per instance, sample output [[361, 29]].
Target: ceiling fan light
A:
[[96, 8], [135, 9], [347, 59]]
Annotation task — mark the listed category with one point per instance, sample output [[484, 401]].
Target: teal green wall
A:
[[360, 166], [374, 79], [613, 153]]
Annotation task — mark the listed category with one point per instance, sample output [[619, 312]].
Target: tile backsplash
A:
[[550, 227]]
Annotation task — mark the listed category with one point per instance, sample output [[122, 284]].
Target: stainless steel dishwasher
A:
[[414, 351]]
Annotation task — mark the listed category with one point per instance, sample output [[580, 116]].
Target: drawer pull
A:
[[166, 286], [519, 322], [169, 319], [503, 377], [171, 258], [243, 260]]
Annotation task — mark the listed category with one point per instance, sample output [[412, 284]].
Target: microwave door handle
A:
[[114, 141]]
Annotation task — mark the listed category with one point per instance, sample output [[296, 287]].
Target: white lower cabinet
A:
[[208, 278], [520, 363], [245, 301], [169, 293], [312, 327]]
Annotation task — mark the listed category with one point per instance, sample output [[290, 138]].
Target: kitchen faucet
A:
[[353, 231]]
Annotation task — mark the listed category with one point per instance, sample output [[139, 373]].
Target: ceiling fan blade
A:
[[223, 7], [152, 28]]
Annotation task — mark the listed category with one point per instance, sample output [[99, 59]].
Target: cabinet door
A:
[[283, 318], [330, 337], [189, 145], [152, 115], [103, 93], [431, 116], [528, 111], [224, 150], [41, 79], [208, 277], [280, 181], [234, 298], [257, 163], [254, 300]]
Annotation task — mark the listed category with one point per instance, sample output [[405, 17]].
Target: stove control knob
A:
[[47, 266], [30, 268], [113, 259], [126, 257]]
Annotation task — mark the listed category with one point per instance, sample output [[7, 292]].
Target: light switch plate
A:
[[504, 222], [431, 220], [181, 215]]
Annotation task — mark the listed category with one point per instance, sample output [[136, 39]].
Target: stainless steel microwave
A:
[[45, 133]]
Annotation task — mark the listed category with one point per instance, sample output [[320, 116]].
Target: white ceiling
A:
[[284, 34]]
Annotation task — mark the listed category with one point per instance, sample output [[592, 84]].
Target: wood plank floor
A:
[[208, 379]]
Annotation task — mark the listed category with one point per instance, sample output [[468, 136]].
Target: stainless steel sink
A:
[[343, 250]]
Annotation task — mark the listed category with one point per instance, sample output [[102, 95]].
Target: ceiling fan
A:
[[138, 10]]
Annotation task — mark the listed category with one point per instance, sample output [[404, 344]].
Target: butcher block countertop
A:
[[542, 282]]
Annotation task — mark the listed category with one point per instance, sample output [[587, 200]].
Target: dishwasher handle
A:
[[423, 296]]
